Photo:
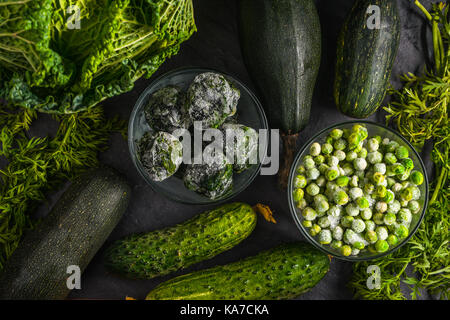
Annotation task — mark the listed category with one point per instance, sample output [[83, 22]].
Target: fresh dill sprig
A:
[[36, 166], [420, 112]]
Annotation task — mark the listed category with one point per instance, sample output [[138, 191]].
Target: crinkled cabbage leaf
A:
[[48, 64]]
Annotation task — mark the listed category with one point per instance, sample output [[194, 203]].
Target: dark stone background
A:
[[216, 45]]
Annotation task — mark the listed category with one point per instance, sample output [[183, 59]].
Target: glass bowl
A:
[[249, 113], [373, 129]]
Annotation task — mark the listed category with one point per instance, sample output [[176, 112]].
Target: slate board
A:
[[216, 45]]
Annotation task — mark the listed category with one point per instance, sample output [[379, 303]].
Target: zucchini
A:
[[365, 58], [281, 273], [70, 234], [160, 252], [281, 46]]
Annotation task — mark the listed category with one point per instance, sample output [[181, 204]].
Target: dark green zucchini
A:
[[70, 234], [281, 45], [163, 251], [281, 273], [365, 57]]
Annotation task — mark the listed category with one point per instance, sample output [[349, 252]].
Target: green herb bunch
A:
[[420, 112], [36, 166]]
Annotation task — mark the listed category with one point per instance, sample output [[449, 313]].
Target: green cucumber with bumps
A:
[[157, 253], [284, 272]]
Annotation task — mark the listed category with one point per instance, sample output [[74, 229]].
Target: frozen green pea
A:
[[327, 148], [374, 157], [382, 233], [354, 181], [312, 189], [414, 206], [336, 133], [381, 206], [358, 245], [389, 197], [404, 176], [332, 173], [351, 155], [338, 232], [298, 195], [323, 168], [407, 163], [404, 203], [348, 169], [404, 216], [372, 144], [321, 181], [347, 221], [322, 206], [333, 161], [385, 142], [392, 240], [370, 225], [312, 174], [401, 152], [300, 181], [314, 230], [315, 149], [378, 138], [363, 153], [362, 202], [390, 158], [302, 204], [366, 213], [319, 159], [369, 188], [378, 218], [334, 211], [371, 236], [381, 246], [307, 223], [416, 177], [349, 236], [358, 225], [401, 231], [389, 219], [341, 197], [309, 214], [390, 182], [353, 140], [380, 168], [397, 168], [340, 155], [342, 181], [391, 146], [406, 194], [340, 144], [397, 187], [301, 169], [378, 178], [360, 164], [308, 162], [352, 210], [329, 140], [355, 193], [346, 250], [325, 237], [380, 192], [336, 244]]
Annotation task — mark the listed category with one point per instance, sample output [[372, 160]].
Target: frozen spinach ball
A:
[[160, 154], [211, 179], [211, 99], [164, 110], [241, 146]]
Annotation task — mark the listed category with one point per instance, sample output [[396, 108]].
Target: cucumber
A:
[[70, 234], [160, 252], [365, 58], [284, 272]]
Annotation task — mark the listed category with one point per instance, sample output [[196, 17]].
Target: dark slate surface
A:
[[216, 45]]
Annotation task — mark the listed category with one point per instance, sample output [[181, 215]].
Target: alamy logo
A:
[[374, 280], [374, 21], [73, 22], [74, 280]]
